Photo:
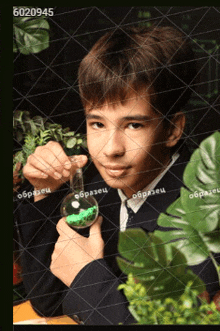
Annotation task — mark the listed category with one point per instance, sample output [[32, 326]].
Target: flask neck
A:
[[76, 181]]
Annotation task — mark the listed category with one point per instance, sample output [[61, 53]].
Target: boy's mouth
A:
[[115, 170]]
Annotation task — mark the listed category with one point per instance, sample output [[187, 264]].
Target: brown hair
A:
[[156, 60]]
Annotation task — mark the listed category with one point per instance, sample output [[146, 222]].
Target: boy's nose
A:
[[114, 145]]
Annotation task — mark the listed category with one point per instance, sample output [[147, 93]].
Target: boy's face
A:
[[127, 144]]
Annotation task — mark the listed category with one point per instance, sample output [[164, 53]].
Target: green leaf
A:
[[39, 122], [69, 134], [203, 167], [135, 244], [34, 129], [79, 141], [212, 240], [196, 214], [189, 174], [19, 136], [15, 49], [146, 258], [185, 238], [201, 213], [54, 126], [21, 119], [31, 34], [18, 157], [84, 143], [71, 142]]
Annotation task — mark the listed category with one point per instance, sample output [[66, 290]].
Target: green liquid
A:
[[82, 218]]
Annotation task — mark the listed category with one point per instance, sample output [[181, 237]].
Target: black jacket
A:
[[93, 296]]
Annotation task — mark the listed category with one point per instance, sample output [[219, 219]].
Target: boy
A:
[[133, 85]]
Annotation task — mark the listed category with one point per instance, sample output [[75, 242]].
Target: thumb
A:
[[95, 229], [78, 161]]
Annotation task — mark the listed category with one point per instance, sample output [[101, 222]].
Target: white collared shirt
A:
[[135, 203]]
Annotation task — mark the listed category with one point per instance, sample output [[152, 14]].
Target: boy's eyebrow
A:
[[141, 118], [93, 117], [126, 118]]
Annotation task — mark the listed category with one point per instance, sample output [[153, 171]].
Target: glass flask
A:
[[80, 211]]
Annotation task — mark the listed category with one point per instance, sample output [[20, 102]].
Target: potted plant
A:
[[160, 288], [37, 131]]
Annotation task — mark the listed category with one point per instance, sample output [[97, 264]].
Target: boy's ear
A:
[[175, 130]]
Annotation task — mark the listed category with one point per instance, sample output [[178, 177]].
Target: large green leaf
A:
[[196, 214], [204, 163], [31, 34], [146, 257], [186, 238], [202, 177]]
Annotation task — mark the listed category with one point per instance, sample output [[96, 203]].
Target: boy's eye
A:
[[134, 126], [97, 125]]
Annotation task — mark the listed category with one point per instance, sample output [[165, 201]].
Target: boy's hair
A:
[[156, 60]]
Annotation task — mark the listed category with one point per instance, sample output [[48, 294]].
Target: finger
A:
[[59, 153], [95, 229], [61, 226], [39, 163], [56, 166], [64, 229], [31, 172]]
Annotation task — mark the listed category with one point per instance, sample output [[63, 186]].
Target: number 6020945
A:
[[31, 12]]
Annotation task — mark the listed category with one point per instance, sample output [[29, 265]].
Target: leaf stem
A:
[[216, 266]]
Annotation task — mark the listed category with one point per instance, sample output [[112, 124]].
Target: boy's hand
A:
[[73, 251], [49, 167]]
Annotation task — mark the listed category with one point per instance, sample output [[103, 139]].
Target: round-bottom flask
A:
[[80, 211]]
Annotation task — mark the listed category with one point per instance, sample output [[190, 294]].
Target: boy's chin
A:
[[118, 183]]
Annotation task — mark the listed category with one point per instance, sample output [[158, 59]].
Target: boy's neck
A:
[[129, 193]]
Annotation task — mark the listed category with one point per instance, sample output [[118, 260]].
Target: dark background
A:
[[46, 83]]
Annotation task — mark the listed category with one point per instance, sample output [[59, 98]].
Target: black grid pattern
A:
[[45, 86]]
